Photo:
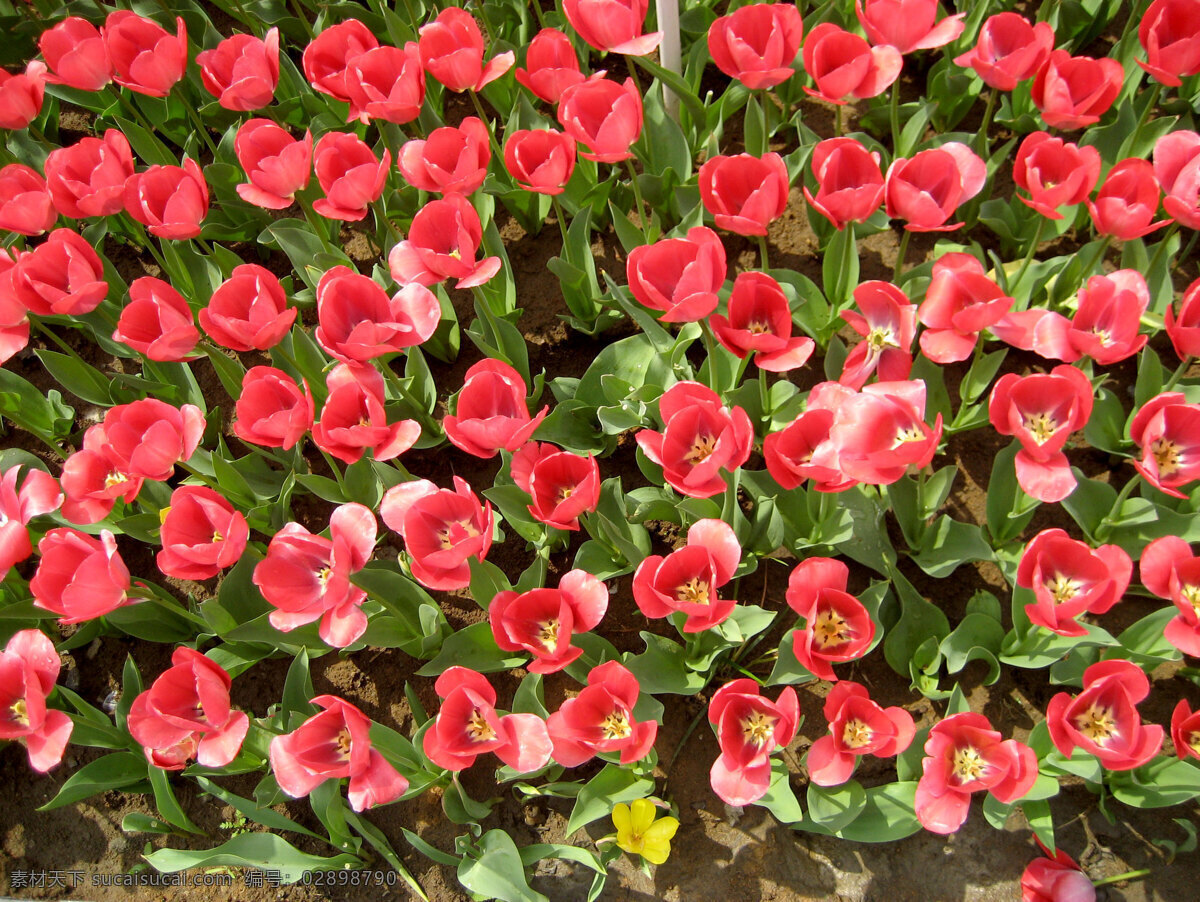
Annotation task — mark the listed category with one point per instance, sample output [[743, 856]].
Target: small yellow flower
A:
[[639, 833]]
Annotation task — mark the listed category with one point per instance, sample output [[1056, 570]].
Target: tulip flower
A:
[[1185, 731], [147, 438], [927, 189], [1054, 173], [857, 726], [201, 534], [357, 321], [186, 714], [441, 244], [468, 726], [679, 276], [1042, 410], [562, 485], [760, 321], [327, 57], [960, 302], [451, 161], [14, 317], [1127, 201], [21, 95], [157, 321], [1184, 329], [248, 311], [306, 577], [551, 65], [276, 164], [332, 744], [491, 413], [700, 437], [1103, 719], [79, 577], [1009, 50], [88, 178], [1167, 430], [76, 54], [93, 480], [1068, 578], [850, 185], [242, 71], [451, 49], [540, 160], [1075, 91], [29, 667], [1177, 166], [39, 494], [965, 755], [844, 65], [1169, 35], [907, 25], [604, 116], [688, 579], [880, 434], [145, 58], [272, 411], [441, 528], [350, 174], [612, 26], [757, 44], [542, 621], [63, 276], [353, 419], [170, 201], [638, 833], [837, 627], [744, 193], [749, 728], [600, 720], [802, 449], [1170, 570], [1055, 878], [25, 203], [386, 83], [888, 323]]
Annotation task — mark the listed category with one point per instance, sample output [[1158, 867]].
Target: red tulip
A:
[[441, 244], [857, 726], [1170, 35], [960, 302], [907, 25], [1054, 173], [1167, 430], [700, 438], [1068, 578], [542, 621], [880, 433], [757, 44], [145, 58], [744, 193], [350, 174], [965, 755], [332, 744], [14, 317], [600, 720], [604, 116], [850, 183], [927, 189], [760, 321], [248, 311], [386, 83], [1185, 731], [551, 65], [357, 321], [1177, 167], [157, 321], [1055, 878], [171, 202], [306, 577], [1075, 91], [272, 411], [687, 580], [679, 276], [327, 57], [1103, 719], [468, 726], [562, 485], [749, 728], [802, 449], [844, 65], [1127, 201], [79, 577], [837, 627], [353, 419], [76, 54], [88, 178], [888, 323], [540, 160], [186, 714], [25, 204], [1184, 329], [276, 164], [201, 534], [1170, 570], [1042, 410], [149, 437], [612, 26], [21, 95], [63, 276], [29, 667], [1009, 50], [451, 50], [451, 160], [441, 529], [242, 71], [93, 478], [39, 494], [491, 413]]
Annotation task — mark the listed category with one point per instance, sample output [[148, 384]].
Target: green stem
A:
[[1121, 878], [561, 216], [1178, 374], [382, 221], [837, 120], [642, 212], [427, 422], [762, 253], [1033, 245], [319, 225], [1097, 257], [1155, 90], [895, 116], [1104, 530], [764, 399], [901, 255], [143, 238], [303, 17], [1186, 253], [741, 371], [710, 348], [201, 128], [333, 466], [127, 102], [983, 139], [497, 150]]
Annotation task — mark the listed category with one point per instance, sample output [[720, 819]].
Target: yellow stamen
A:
[[116, 477], [701, 450], [758, 327], [1041, 426], [342, 741], [1062, 588], [759, 729], [19, 713], [478, 729], [1191, 594], [968, 764], [1097, 724], [1167, 455], [880, 338], [830, 629], [694, 591], [855, 734], [616, 726], [549, 635]]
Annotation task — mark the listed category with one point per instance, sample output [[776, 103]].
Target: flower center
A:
[[1194, 741], [1167, 455], [548, 635], [968, 764], [342, 741], [1191, 594], [564, 492], [757, 327], [880, 338], [855, 734], [323, 577], [694, 591], [453, 533], [616, 726], [1041, 426], [217, 537], [116, 477], [830, 629], [701, 450], [1062, 588], [1097, 724], [759, 729], [911, 433], [19, 713], [478, 729]]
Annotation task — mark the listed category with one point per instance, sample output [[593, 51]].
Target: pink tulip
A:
[[850, 184], [1171, 38], [353, 419], [760, 321], [201, 534], [1127, 201], [802, 449], [562, 485], [25, 203], [79, 577], [1055, 878], [451, 160], [1055, 173], [29, 667], [744, 193], [749, 728], [604, 116], [357, 321], [39, 494], [442, 244], [880, 433], [149, 437], [14, 317], [491, 413], [248, 311], [145, 58], [1177, 166], [242, 71], [551, 65], [93, 480], [1167, 430], [88, 178], [441, 528], [272, 410], [276, 164], [837, 627], [1075, 91], [1009, 50], [327, 57], [927, 189], [687, 580], [451, 50], [757, 44], [170, 201], [600, 720], [960, 302], [386, 83], [679, 276], [907, 25], [1185, 731], [540, 160], [350, 174], [76, 54], [63, 276], [857, 727], [21, 95], [1170, 570], [888, 323], [1068, 578], [1184, 329], [157, 321], [542, 621], [844, 65], [612, 26], [1103, 719]]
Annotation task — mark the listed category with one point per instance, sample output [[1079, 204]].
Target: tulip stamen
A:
[[323, 577], [759, 728], [116, 477], [478, 729], [564, 492], [342, 741], [758, 327], [968, 764], [1041, 426], [1062, 588], [694, 591], [616, 726], [880, 338], [912, 433], [548, 635], [830, 629], [20, 715], [856, 734], [702, 449], [1167, 455], [217, 537], [1194, 741], [1097, 724], [1191, 594]]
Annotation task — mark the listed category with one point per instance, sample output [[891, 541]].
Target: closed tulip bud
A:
[[491, 413], [272, 410], [276, 164], [76, 54], [850, 185], [612, 26], [145, 58], [1177, 166], [1125, 205], [540, 160], [1009, 50], [64, 276], [1075, 91], [21, 95], [157, 321], [242, 71], [350, 174], [551, 65], [1055, 878], [1170, 34], [604, 116], [451, 161], [1184, 328], [79, 577], [169, 200], [744, 193]]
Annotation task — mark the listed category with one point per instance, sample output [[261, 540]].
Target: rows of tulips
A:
[[193, 154]]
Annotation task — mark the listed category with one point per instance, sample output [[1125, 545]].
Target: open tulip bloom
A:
[[1103, 719], [837, 627], [749, 728], [29, 667]]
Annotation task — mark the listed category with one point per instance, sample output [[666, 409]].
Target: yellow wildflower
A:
[[639, 833]]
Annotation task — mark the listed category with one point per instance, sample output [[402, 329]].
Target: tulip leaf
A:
[[496, 871], [115, 771], [487, 581], [473, 647], [168, 806], [887, 816], [780, 799], [949, 543], [80, 379], [261, 851], [612, 785], [1159, 784], [662, 667], [919, 620], [835, 807]]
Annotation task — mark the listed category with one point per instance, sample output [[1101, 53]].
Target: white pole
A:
[[669, 51]]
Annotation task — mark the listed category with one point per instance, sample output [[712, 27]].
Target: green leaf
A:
[[77, 377], [840, 267], [949, 543], [663, 668], [487, 581], [887, 816], [612, 785], [262, 851], [265, 816], [168, 806], [1159, 784], [919, 620], [780, 799], [787, 669], [115, 771], [473, 647], [835, 807], [497, 873]]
